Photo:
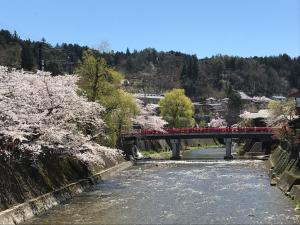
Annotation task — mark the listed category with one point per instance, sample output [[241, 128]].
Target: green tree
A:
[[127, 52], [97, 76], [285, 109], [121, 108], [177, 109], [27, 56], [234, 107], [103, 84], [189, 75]]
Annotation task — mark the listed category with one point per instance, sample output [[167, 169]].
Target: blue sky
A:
[[202, 27]]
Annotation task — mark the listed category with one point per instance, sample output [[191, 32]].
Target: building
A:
[[257, 102], [149, 98], [296, 95], [278, 98]]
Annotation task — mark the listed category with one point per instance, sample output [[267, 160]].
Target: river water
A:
[[209, 153], [182, 192]]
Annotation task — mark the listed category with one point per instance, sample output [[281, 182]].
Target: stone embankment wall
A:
[[285, 171], [28, 187]]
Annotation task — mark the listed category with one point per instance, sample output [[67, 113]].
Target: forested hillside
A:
[[151, 71]]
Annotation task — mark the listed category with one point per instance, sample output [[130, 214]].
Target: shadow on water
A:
[[207, 154]]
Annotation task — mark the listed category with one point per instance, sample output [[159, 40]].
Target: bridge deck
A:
[[194, 133]]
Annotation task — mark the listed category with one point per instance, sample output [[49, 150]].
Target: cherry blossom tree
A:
[[217, 122], [42, 113], [148, 116]]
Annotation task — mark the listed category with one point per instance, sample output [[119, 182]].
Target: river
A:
[[182, 192]]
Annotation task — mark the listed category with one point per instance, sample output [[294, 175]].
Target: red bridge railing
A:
[[206, 130]]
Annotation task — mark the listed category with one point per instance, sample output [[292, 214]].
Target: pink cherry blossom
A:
[[39, 112], [217, 122], [148, 117]]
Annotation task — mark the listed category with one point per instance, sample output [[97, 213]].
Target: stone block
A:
[[287, 180]]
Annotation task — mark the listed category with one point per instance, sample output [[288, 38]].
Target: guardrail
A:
[[204, 130]]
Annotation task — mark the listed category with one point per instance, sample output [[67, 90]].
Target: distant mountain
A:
[[151, 71]]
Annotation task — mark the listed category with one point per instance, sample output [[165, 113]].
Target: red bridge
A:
[[174, 135], [189, 133], [206, 130]]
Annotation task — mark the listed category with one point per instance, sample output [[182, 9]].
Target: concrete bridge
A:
[[174, 135]]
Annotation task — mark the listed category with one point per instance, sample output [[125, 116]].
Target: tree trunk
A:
[[95, 84]]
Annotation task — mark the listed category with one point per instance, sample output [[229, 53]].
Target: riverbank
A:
[[283, 170], [30, 189], [179, 192], [285, 173]]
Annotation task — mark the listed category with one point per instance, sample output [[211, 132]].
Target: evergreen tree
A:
[[27, 58], [234, 106], [183, 74], [256, 76], [16, 36], [127, 52]]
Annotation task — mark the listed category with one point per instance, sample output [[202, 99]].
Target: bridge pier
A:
[[228, 143], [175, 147]]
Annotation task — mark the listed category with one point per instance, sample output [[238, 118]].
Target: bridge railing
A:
[[205, 130]]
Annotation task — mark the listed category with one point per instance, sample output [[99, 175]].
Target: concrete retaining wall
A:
[[257, 147], [295, 193], [24, 211], [285, 170], [287, 180]]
